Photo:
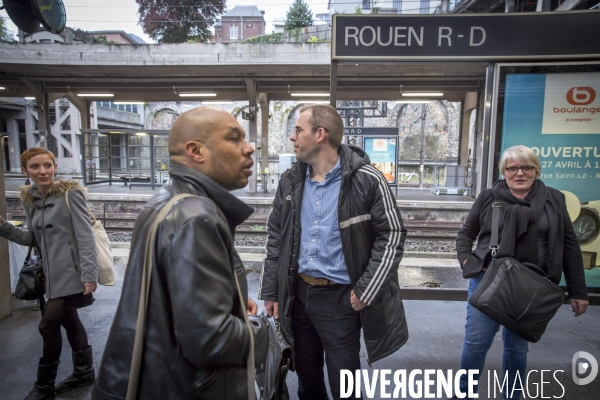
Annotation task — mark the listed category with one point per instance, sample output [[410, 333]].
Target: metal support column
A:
[[252, 131], [333, 83], [422, 152], [264, 146], [5, 295], [41, 100], [487, 159]]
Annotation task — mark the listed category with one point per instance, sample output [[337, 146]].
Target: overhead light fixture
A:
[[2, 88], [197, 95], [114, 132], [217, 102], [141, 133], [310, 94], [29, 98], [313, 102], [422, 94], [95, 94], [411, 101], [128, 102]]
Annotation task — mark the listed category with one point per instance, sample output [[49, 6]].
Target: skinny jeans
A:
[[480, 331]]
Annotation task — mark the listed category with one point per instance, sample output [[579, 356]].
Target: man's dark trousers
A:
[[323, 320]]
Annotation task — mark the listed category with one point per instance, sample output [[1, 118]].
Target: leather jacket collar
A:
[[235, 210]]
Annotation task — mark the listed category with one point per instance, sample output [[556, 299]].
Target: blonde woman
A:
[[70, 267], [534, 226]]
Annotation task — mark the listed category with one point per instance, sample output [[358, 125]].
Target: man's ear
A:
[[196, 151], [321, 135]]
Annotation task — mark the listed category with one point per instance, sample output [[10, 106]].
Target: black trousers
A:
[[324, 322]]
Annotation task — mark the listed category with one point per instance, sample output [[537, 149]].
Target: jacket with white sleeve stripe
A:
[[372, 235]]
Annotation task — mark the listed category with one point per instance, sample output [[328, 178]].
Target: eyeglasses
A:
[[299, 129], [513, 170]]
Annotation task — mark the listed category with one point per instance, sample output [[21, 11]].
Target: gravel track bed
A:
[[259, 241]]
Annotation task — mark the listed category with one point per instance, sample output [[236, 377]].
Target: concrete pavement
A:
[[436, 333]]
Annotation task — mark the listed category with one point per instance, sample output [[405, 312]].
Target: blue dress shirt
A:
[[321, 254]]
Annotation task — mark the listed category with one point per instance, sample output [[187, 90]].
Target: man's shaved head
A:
[[211, 141], [197, 125]]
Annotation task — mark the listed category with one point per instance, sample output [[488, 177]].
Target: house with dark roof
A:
[[119, 37], [240, 23]]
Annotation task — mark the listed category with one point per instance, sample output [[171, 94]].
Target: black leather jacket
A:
[[196, 343], [372, 236]]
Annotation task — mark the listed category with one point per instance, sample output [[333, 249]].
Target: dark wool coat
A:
[[564, 250], [372, 235]]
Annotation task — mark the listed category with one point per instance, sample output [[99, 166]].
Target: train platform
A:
[[436, 331], [402, 194]]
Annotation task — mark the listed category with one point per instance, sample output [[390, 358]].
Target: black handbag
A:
[[271, 374], [32, 282], [517, 295]]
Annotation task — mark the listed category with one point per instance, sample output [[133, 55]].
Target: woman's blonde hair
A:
[[522, 155]]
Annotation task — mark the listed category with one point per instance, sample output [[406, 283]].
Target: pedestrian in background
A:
[[534, 226], [70, 266], [335, 242]]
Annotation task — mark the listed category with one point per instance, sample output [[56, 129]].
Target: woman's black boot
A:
[[83, 371], [44, 385]]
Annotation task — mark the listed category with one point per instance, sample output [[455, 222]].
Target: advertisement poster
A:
[[383, 155], [558, 116]]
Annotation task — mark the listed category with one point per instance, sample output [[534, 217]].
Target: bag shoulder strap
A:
[[250, 361], [136, 359], [495, 222], [88, 208]]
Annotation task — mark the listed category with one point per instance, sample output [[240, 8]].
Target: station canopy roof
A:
[[165, 72]]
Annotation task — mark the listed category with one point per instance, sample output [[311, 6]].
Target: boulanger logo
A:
[[581, 95], [581, 368]]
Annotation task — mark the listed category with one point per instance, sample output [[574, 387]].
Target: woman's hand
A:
[[579, 306], [89, 287]]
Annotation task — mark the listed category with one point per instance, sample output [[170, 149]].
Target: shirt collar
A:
[[334, 173]]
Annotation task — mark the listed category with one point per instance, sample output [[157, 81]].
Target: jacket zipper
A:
[[45, 246]]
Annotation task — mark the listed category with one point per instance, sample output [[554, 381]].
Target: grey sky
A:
[[92, 15]]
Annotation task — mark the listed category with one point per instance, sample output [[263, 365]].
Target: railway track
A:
[[424, 221], [425, 230]]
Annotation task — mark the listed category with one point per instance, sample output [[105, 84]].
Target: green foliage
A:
[[298, 16], [258, 228], [272, 38], [314, 39], [101, 39], [5, 34], [294, 33], [179, 21], [358, 10], [375, 10]]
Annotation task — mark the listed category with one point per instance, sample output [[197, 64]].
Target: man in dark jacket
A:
[[335, 242], [195, 342]]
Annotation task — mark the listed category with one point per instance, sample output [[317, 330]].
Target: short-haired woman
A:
[[534, 227], [70, 265]]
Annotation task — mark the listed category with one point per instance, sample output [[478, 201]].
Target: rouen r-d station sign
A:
[[522, 36]]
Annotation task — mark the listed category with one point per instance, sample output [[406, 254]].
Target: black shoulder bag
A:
[[517, 295], [32, 282]]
